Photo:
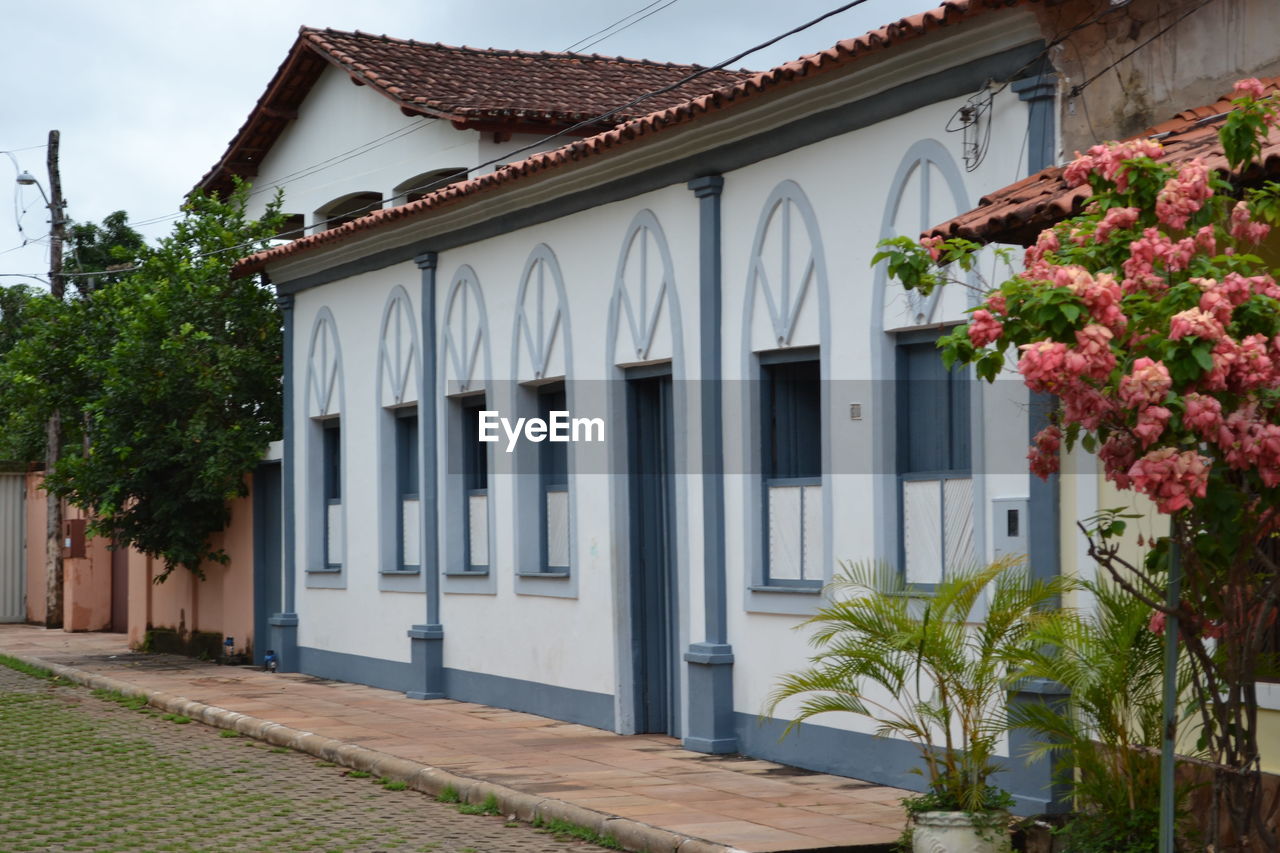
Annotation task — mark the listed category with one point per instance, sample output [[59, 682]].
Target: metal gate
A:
[[13, 569]]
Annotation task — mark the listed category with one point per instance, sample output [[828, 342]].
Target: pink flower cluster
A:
[[1146, 385], [1043, 366], [934, 246], [1251, 441], [1101, 294], [984, 328], [1243, 228], [1183, 195], [1116, 217], [1250, 87], [1109, 161], [1171, 478], [1043, 455], [1195, 322], [1139, 268], [1242, 366], [1091, 357]]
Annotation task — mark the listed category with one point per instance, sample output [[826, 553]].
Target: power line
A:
[[611, 26], [594, 120], [719, 66], [632, 23], [1080, 87]]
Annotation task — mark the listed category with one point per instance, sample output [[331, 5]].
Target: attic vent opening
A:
[[427, 182], [342, 210]]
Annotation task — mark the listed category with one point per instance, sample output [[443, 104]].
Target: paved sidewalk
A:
[[643, 789]]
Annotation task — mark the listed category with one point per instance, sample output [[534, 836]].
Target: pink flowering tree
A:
[[1154, 320]]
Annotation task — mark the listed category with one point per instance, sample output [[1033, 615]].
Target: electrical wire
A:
[[594, 120], [1080, 87], [611, 26], [667, 5], [589, 122]]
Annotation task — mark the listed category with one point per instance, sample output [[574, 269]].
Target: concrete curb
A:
[[531, 808]]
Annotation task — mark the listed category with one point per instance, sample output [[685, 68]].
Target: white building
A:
[[700, 279]]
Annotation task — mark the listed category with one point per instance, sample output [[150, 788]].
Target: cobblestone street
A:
[[82, 770]]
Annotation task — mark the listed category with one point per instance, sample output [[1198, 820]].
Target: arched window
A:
[[400, 516], [786, 327], [427, 182], [326, 521], [644, 318], [343, 210], [465, 374], [541, 362], [937, 499]]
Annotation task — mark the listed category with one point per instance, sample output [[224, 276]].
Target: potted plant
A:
[[932, 668]]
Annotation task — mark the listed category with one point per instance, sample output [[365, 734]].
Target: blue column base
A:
[[711, 724], [1039, 787], [284, 640], [426, 643]]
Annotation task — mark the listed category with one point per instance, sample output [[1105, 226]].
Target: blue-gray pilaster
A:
[[1039, 787], [710, 662], [284, 625], [1041, 92], [427, 640]]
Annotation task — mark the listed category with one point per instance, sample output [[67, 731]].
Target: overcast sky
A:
[[147, 93]]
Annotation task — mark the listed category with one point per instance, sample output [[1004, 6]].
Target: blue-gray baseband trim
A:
[[358, 669], [546, 700], [942, 85], [866, 758]]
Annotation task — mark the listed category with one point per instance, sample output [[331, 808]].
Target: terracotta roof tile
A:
[[1019, 212], [806, 67], [508, 89], [467, 82]]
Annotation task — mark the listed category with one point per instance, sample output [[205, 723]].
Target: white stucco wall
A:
[[356, 619], [574, 636]]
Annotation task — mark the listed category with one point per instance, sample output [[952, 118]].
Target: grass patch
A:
[[449, 795], [26, 668], [392, 784], [489, 806], [132, 702], [279, 750], [179, 719], [228, 733], [563, 830], [359, 774]]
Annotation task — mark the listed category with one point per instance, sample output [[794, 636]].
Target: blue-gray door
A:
[[654, 606], [268, 552]]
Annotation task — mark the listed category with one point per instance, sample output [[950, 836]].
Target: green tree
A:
[[175, 369], [13, 313], [100, 255]]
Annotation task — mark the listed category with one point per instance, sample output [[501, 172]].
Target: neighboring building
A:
[[700, 279]]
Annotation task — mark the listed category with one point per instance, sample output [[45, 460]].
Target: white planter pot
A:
[[955, 832]]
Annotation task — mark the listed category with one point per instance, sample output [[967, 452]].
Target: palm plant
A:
[[927, 667], [1110, 728]]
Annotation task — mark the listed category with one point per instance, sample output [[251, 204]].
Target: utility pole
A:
[[53, 430]]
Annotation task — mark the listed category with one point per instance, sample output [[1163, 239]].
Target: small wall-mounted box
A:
[[1009, 526], [73, 538]]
